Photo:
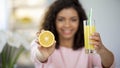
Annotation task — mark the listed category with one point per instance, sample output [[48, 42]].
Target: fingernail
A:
[[42, 30], [55, 41]]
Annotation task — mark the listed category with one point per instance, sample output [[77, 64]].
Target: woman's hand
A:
[[97, 42], [107, 57], [45, 51]]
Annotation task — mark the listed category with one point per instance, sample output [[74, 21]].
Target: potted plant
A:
[[12, 45]]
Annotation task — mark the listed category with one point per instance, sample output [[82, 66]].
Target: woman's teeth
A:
[[67, 31]]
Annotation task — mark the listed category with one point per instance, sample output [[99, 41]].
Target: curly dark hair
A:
[[50, 20]]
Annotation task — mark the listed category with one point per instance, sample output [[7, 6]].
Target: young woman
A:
[[64, 19]]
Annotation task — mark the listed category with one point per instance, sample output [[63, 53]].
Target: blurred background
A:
[[20, 20]]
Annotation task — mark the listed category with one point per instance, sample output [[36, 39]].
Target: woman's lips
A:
[[67, 32]]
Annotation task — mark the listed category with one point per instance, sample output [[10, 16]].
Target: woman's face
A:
[[67, 23]]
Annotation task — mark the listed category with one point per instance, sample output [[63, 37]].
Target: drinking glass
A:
[[89, 29]]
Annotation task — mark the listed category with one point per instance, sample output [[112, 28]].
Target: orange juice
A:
[[88, 30]]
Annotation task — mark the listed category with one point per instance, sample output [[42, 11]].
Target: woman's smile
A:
[[67, 23]]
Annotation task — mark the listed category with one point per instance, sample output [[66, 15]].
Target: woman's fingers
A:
[[37, 34], [37, 41], [47, 51], [96, 37], [42, 30], [96, 41]]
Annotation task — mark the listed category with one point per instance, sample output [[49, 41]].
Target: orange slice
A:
[[46, 38]]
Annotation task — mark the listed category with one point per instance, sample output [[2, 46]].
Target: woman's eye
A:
[[60, 20], [74, 20]]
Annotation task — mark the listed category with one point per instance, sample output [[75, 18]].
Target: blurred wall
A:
[[107, 17]]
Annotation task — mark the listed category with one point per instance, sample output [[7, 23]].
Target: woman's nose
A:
[[67, 23]]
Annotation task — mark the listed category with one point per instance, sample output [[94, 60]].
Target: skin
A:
[[67, 22], [106, 55]]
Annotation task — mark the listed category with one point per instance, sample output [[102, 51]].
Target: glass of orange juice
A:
[[89, 29]]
